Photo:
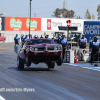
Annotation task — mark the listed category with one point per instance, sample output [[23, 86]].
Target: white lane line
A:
[[87, 66], [1, 98]]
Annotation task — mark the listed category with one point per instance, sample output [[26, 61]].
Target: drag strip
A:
[[66, 82]]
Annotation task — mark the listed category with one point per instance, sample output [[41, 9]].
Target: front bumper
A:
[[44, 53]]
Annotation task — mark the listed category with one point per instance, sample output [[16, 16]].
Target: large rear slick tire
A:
[[20, 63], [51, 64]]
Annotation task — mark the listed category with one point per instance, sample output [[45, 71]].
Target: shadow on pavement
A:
[[30, 69]]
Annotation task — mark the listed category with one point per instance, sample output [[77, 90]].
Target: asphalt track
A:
[[66, 82]]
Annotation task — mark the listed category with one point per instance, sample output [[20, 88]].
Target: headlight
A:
[[36, 49], [59, 48], [31, 49], [55, 48]]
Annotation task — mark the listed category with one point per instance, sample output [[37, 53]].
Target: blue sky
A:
[[45, 8]]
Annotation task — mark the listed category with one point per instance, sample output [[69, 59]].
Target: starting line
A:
[[88, 66]]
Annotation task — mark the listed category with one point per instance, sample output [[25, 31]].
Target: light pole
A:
[[30, 18]]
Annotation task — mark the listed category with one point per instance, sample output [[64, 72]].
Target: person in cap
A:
[[95, 49], [26, 38], [82, 42], [22, 37], [64, 44], [34, 36], [37, 37], [47, 36], [16, 39], [41, 36], [58, 38]]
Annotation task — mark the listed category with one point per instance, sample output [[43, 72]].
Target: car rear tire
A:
[[20, 63], [28, 61], [51, 64], [59, 61]]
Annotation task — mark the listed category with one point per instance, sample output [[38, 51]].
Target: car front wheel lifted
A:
[[59, 61], [51, 64]]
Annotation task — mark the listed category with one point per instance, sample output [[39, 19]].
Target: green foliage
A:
[[64, 13], [57, 13], [98, 10], [78, 17], [93, 16], [87, 15]]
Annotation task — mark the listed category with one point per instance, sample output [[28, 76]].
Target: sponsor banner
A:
[[2, 23], [48, 24], [67, 56], [51, 24], [22, 24], [91, 28]]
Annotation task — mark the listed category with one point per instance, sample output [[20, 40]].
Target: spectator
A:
[[47, 36], [95, 49], [34, 36], [58, 38], [82, 42], [26, 38], [37, 37], [30, 36], [16, 39], [63, 42], [41, 36]]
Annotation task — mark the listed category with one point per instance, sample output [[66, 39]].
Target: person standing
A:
[[64, 43], [22, 37], [47, 36], [58, 38], [41, 36], [16, 46], [37, 37], [34, 36], [30, 36], [26, 38], [82, 42], [16, 39], [95, 49]]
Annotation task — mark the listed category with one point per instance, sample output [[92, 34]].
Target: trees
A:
[[93, 16], [78, 17], [87, 15], [57, 13], [64, 13], [98, 10]]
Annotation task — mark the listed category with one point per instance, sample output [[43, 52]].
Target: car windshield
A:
[[75, 35], [39, 41]]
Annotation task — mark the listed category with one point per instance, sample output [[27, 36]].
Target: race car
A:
[[38, 51]]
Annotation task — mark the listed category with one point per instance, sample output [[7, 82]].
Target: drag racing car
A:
[[38, 51]]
